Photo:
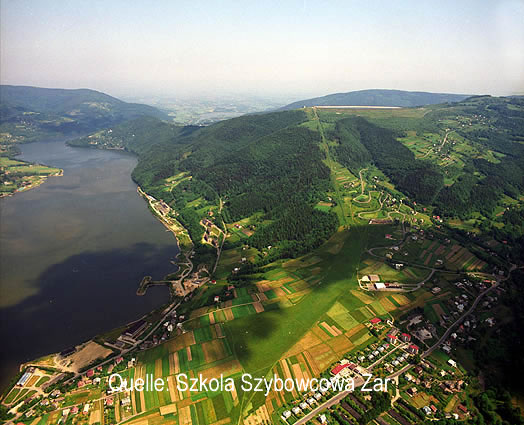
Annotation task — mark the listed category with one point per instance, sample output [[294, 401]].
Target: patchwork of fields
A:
[[453, 256]]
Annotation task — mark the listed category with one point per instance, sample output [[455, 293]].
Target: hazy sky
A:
[[264, 47]]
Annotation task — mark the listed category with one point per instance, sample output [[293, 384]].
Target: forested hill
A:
[[27, 113], [73, 102], [271, 170], [266, 166], [137, 135], [377, 97]]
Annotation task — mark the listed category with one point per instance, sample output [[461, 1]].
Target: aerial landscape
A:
[[261, 214]]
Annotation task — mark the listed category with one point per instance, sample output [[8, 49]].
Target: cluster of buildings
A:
[[396, 348], [305, 405], [427, 376], [173, 325], [189, 285], [372, 282], [163, 208], [25, 377], [94, 377], [227, 294], [131, 335], [208, 238]]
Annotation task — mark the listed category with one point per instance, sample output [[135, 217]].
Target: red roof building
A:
[[461, 407], [90, 373], [339, 368], [413, 349], [375, 320], [405, 337], [392, 339]]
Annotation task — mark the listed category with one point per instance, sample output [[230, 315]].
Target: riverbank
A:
[[20, 176]]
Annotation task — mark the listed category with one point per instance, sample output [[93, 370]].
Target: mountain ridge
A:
[[378, 97], [28, 113], [58, 100]]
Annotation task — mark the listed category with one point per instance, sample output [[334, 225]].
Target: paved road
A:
[[361, 180], [453, 325], [359, 215], [440, 147]]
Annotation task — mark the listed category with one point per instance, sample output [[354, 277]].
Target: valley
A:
[[319, 242]]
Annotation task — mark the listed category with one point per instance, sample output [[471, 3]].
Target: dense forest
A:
[[272, 165], [361, 142], [256, 163]]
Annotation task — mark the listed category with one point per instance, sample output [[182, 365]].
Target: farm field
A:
[[289, 324], [20, 175], [451, 255], [278, 323], [203, 351]]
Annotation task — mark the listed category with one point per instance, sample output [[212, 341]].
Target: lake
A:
[[73, 252]]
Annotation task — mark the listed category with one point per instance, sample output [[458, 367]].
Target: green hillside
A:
[[460, 161], [137, 135], [378, 97], [28, 113]]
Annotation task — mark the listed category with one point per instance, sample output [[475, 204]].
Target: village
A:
[[419, 386], [428, 386], [423, 386]]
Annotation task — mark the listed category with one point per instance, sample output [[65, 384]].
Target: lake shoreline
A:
[[91, 183]]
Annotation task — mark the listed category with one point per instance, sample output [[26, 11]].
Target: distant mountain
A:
[[136, 135], [378, 97], [27, 113], [73, 102]]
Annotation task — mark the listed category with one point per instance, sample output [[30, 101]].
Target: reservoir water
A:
[[72, 253]]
